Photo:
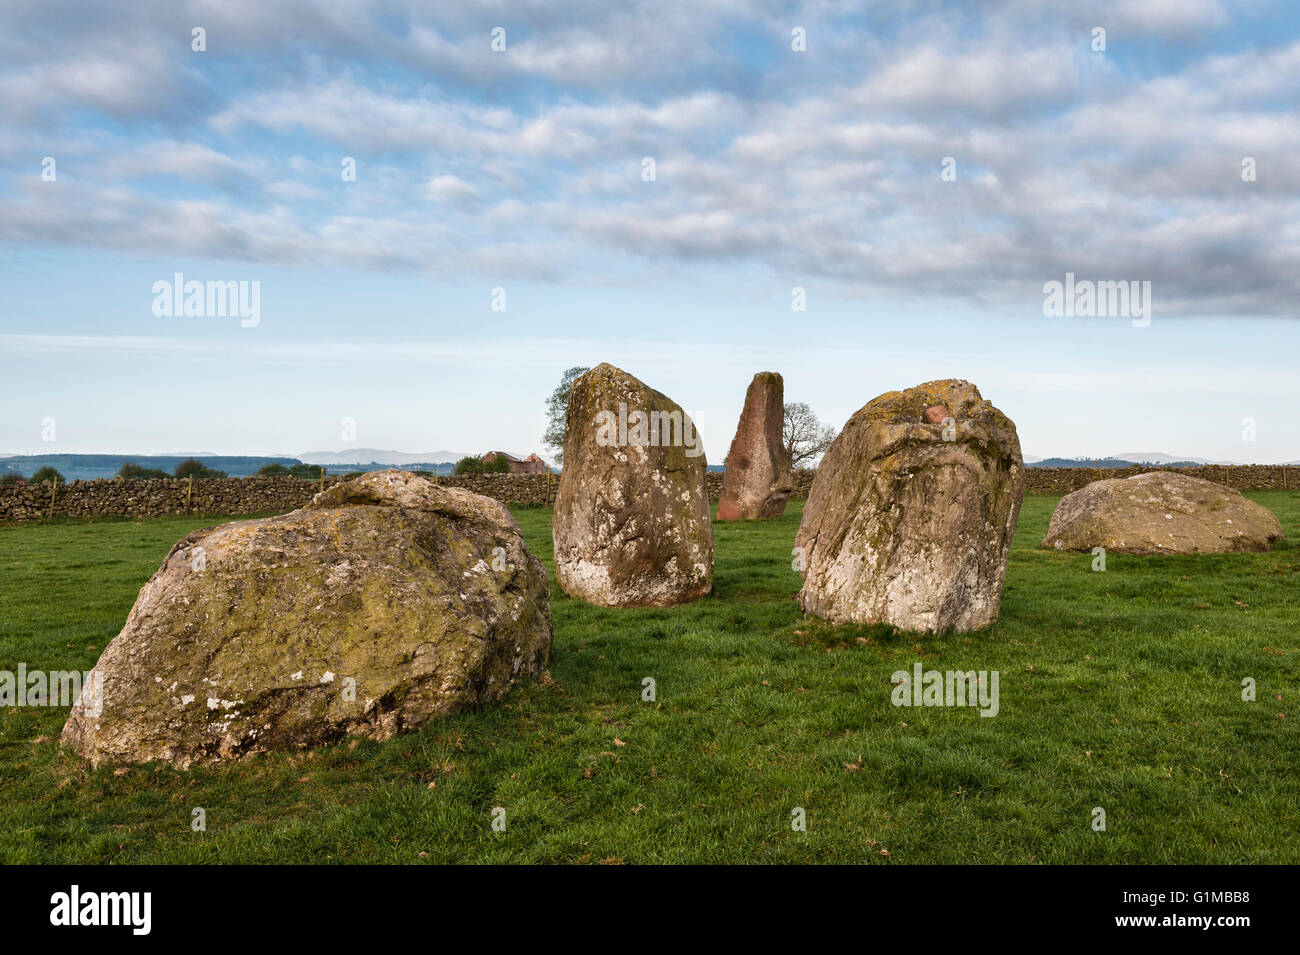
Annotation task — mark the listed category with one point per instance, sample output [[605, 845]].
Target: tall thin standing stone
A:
[[758, 479]]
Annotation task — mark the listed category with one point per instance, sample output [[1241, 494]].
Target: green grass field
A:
[[1119, 690]]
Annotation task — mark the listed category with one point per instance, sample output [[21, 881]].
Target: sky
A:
[[920, 171]]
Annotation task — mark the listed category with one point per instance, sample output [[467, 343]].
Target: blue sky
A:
[[522, 170]]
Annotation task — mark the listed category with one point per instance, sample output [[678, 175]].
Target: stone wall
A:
[[225, 496], [1243, 477], [152, 498], [272, 495]]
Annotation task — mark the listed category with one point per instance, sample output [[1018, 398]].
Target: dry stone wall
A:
[[253, 495], [1242, 477], [276, 495]]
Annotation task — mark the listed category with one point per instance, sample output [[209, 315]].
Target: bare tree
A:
[[803, 435], [557, 405]]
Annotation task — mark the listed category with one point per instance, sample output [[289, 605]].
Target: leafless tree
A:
[[556, 407], [803, 435]]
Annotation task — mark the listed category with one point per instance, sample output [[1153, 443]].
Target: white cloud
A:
[[1064, 163], [1168, 17], [449, 188]]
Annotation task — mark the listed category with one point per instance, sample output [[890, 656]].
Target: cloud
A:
[[1168, 18], [823, 165], [981, 81], [449, 188]]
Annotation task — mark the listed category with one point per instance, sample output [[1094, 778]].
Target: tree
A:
[[803, 435], [557, 406], [130, 469], [193, 467], [469, 465], [48, 473], [274, 469], [307, 472]]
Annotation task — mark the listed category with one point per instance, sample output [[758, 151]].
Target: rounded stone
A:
[[1161, 512], [383, 603]]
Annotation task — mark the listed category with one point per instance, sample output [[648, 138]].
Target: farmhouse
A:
[[529, 465]]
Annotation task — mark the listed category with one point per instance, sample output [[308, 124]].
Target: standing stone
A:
[[383, 603], [910, 518], [758, 478], [631, 525]]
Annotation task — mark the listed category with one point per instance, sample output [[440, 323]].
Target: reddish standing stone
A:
[[758, 479]]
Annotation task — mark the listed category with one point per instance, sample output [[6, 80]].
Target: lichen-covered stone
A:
[[381, 604], [909, 520], [1161, 512], [631, 525], [758, 479]]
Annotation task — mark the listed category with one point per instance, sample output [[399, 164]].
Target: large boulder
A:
[[381, 604], [1161, 512], [912, 510], [631, 525], [758, 479]]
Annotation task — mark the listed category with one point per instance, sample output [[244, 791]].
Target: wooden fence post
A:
[[54, 488], [189, 493]]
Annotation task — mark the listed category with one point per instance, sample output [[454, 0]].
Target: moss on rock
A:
[[909, 519], [632, 525], [383, 603]]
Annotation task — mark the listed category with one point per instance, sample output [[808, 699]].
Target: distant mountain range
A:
[[89, 467], [373, 459], [1158, 457], [377, 456], [1126, 460], [402, 458], [1104, 463]]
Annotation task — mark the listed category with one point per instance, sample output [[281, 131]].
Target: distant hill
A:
[[434, 467], [1159, 457], [1113, 463], [375, 459], [377, 456], [1080, 463], [1128, 459], [90, 467]]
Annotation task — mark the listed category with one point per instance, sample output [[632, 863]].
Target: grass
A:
[[1119, 690]]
